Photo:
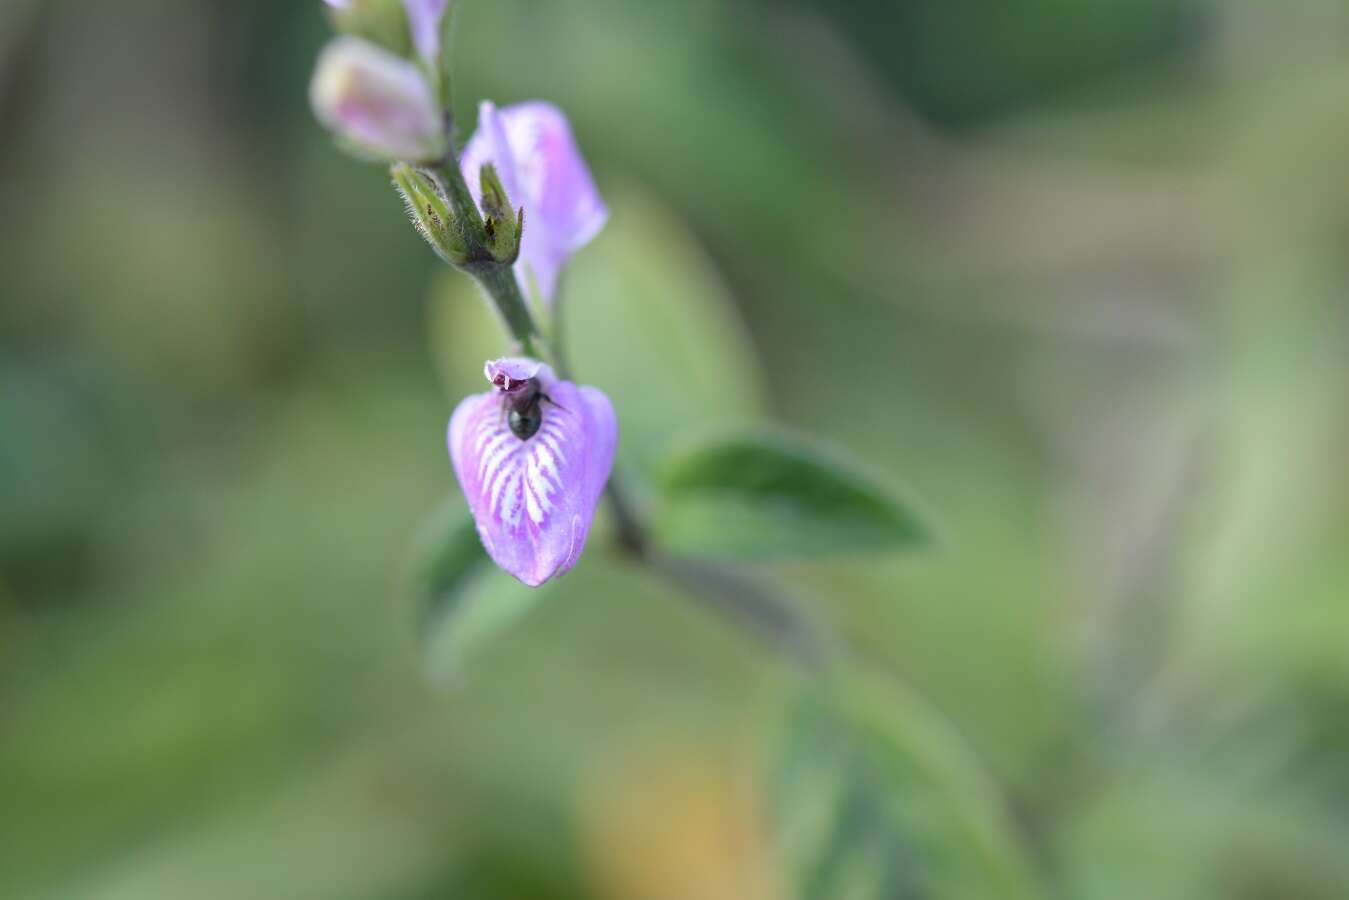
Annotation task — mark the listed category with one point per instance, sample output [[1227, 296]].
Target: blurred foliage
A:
[[1072, 271], [765, 496], [877, 798]]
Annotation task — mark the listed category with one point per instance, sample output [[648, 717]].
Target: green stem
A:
[[557, 334], [451, 179], [773, 617], [497, 278], [632, 536], [763, 610], [502, 287]]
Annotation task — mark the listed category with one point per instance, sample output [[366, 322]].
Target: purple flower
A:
[[533, 456], [425, 17], [541, 167], [380, 103]]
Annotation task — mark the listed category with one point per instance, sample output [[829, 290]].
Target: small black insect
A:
[[525, 421], [524, 410]]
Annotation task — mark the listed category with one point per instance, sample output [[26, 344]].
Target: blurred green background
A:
[[1072, 272]]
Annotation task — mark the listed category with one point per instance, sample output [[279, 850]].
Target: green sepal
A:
[[430, 213], [503, 224]]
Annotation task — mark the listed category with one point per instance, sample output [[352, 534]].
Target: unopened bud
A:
[[430, 214], [378, 103]]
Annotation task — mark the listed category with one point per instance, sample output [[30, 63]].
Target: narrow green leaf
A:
[[761, 496], [460, 601]]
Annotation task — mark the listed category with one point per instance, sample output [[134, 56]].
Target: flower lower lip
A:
[[532, 464]]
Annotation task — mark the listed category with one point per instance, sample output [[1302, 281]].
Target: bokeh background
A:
[[1071, 272]]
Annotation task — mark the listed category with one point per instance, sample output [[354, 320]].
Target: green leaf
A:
[[763, 496], [875, 797], [461, 601], [651, 321]]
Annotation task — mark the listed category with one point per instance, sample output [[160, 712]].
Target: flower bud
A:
[[430, 214], [376, 102], [537, 165]]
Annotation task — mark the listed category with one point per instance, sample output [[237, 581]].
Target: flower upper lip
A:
[[512, 375]]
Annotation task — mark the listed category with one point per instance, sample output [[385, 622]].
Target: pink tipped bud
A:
[[377, 102]]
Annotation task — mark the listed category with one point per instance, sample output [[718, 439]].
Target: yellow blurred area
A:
[[679, 822]]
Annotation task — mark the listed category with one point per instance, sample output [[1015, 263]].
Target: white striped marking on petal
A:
[[520, 479], [533, 504], [495, 454]]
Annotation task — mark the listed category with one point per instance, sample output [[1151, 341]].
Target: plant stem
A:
[[771, 616], [451, 179], [763, 610], [501, 286], [632, 537], [497, 278]]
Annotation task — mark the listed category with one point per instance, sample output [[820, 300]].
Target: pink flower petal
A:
[[534, 500], [535, 153], [513, 374], [425, 18]]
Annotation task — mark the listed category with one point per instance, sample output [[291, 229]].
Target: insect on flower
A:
[[533, 456]]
